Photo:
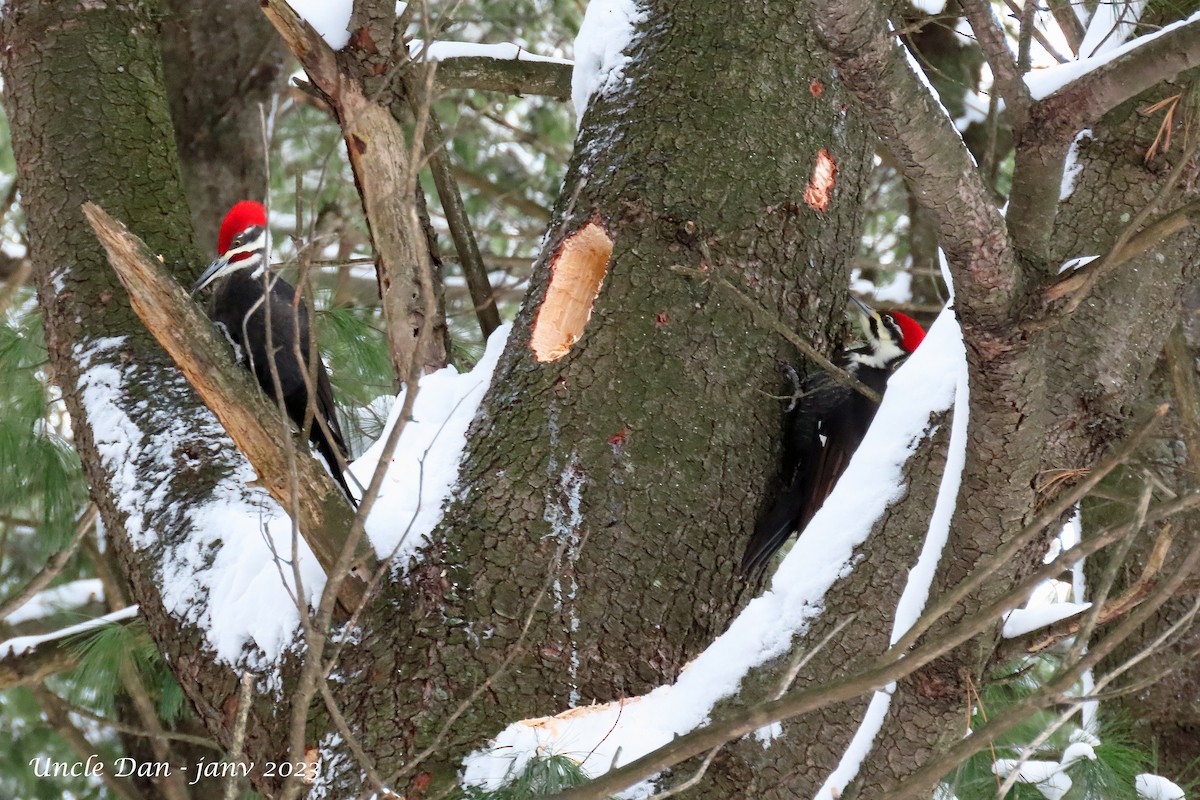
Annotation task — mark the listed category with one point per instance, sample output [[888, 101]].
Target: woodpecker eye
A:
[[889, 319]]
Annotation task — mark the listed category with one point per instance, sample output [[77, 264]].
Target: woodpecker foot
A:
[[796, 394]]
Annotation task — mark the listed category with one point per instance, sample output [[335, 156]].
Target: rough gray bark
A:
[[223, 64], [89, 114], [632, 468]]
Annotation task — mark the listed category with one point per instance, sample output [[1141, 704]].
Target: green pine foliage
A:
[[43, 480], [1109, 777], [541, 776]]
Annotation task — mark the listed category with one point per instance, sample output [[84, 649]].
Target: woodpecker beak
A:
[[866, 309], [216, 269]]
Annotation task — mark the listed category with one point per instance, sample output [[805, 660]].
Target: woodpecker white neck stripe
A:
[[255, 247]]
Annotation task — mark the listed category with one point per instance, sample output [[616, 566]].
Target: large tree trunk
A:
[[630, 465], [88, 108], [223, 65]]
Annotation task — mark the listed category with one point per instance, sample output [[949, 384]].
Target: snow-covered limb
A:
[[23, 644], [28, 660], [1045, 82], [1111, 25], [248, 582], [50, 601], [618, 733], [504, 51]]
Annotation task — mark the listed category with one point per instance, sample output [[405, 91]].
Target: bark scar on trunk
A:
[[575, 277], [821, 186]]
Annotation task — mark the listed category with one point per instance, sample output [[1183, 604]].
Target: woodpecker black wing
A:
[[241, 304], [804, 467]]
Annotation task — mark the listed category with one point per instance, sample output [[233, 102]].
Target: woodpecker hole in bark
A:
[[575, 277], [820, 187]]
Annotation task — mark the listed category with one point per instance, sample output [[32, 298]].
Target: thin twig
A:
[[838, 374], [1013, 546], [54, 565], [802, 657], [237, 748]]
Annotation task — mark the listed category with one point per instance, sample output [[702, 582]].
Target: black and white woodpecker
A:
[[826, 425], [246, 298]]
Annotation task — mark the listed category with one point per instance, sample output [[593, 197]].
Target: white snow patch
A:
[[1072, 264], [116, 437], [1156, 787], [600, 58], [330, 18], [504, 51], [1045, 82], [617, 733], [60, 598], [424, 466], [1045, 776], [1072, 168], [249, 583], [1112, 24], [1021, 621], [769, 733], [23, 644], [920, 578]]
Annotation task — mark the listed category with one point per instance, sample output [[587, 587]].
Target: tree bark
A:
[[86, 100], [223, 66], [630, 467]]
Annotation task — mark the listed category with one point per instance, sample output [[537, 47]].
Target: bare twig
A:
[[1013, 546], [54, 565], [57, 715], [239, 733], [459, 223], [994, 44], [838, 374]]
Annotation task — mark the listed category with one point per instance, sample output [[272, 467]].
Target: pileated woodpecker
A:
[[246, 294], [827, 425]]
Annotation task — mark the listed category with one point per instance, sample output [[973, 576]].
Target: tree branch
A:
[[385, 172], [247, 415], [54, 565], [459, 223], [929, 152], [1055, 119], [511, 76], [994, 44], [887, 668]]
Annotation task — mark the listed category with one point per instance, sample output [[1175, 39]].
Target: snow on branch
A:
[[27, 660], [616, 734], [601, 46], [1093, 85]]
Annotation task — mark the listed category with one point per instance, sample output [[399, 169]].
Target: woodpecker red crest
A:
[[243, 216]]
